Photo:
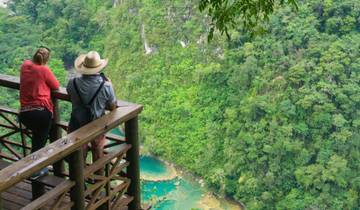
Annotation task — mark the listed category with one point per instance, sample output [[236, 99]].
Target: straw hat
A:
[[90, 63]]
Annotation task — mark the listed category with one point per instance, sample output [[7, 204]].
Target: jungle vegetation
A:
[[271, 120]]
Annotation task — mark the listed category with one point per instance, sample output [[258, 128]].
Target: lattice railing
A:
[[14, 137]]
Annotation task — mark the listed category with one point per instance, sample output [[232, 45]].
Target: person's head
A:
[[90, 63], [41, 56]]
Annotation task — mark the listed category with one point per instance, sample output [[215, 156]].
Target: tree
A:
[[226, 15]]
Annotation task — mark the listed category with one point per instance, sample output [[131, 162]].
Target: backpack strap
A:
[[97, 92], [77, 91], [94, 96]]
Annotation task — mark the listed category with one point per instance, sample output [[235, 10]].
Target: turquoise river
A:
[[166, 189], [176, 193]]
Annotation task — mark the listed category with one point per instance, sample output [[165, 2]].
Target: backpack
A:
[[83, 116]]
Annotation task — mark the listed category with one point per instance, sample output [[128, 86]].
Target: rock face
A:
[[115, 3], [3, 3], [148, 49]]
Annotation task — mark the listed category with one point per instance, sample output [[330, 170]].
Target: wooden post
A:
[[133, 171], [108, 186], [55, 134], [23, 139], [106, 205], [76, 173]]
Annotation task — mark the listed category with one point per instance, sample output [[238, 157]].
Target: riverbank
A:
[[167, 170], [212, 202], [172, 174]]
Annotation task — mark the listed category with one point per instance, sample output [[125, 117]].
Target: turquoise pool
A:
[[174, 194]]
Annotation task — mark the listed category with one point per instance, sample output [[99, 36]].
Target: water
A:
[[170, 194], [152, 167], [118, 131]]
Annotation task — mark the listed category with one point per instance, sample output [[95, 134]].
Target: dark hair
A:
[[41, 57]]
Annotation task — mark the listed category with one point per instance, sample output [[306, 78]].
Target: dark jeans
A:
[[39, 122]]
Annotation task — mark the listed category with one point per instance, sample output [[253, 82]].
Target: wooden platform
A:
[[20, 195], [116, 188]]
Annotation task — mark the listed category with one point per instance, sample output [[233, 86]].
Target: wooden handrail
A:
[[13, 82], [61, 148]]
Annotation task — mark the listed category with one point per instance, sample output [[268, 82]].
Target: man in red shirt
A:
[[36, 83]]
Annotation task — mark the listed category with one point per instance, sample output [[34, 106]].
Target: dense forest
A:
[[271, 120]]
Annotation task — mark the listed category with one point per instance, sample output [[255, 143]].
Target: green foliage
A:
[[226, 15], [272, 120]]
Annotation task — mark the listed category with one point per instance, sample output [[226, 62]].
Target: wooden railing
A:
[[117, 187]]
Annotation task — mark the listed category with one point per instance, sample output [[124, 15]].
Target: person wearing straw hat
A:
[[90, 93]]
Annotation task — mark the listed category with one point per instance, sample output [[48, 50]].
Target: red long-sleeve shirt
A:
[[36, 83]]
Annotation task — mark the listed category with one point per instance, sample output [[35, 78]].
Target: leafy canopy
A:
[[228, 14]]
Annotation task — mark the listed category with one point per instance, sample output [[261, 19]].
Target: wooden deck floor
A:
[[20, 195]]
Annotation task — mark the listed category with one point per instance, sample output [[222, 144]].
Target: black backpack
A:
[[83, 116]]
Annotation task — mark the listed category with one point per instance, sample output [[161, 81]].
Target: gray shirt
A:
[[87, 86]]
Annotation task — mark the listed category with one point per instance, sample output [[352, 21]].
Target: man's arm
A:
[[112, 106], [112, 101]]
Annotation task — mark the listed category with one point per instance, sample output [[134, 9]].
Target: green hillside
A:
[[272, 120]]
